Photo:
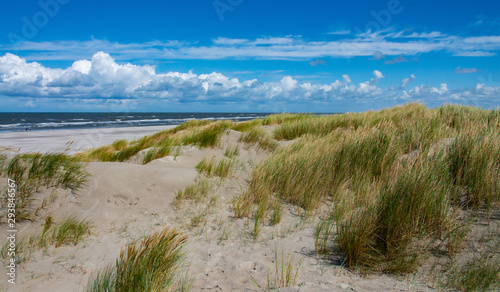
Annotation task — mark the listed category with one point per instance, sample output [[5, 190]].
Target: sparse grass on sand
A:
[[70, 231], [232, 152], [212, 166], [197, 192], [153, 264], [286, 270], [34, 171]]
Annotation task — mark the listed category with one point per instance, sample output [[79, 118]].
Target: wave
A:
[[11, 125], [113, 122]]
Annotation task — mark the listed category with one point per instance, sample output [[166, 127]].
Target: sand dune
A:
[[127, 201]]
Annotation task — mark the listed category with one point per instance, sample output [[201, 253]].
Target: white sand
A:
[[127, 201], [82, 139]]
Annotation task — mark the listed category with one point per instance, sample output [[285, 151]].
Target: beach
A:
[[71, 141]]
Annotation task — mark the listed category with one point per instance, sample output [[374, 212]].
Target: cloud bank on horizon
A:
[[101, 82]]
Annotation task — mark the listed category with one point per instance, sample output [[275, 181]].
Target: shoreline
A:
[[45, 141]]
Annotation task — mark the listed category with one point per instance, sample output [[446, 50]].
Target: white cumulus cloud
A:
[[406, 81], [102, 80]]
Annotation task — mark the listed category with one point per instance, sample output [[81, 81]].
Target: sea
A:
[[18, 122]]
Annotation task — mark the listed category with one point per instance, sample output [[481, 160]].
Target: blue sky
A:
[[241, 55]]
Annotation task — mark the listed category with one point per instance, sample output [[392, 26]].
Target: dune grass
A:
[[212, 166], [103, 280], [207, 136], [259, 137], [396, 177], [120, 144], [152, 264], [202, 133], [232, 152], [197, 192], [479, 271], [69, 231], [156, 152], [274, 119], [277, 212], [285, 118], [34, 171], [242, 205], [286, 270], [247, 125], [322, 235], [477, 274], [3, 162], [21, 251]]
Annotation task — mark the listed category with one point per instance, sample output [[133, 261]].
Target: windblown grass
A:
[[103, 280], [197, 192], [120, 144], [152, 264], [3, 162], [274, 119], [20, 251], [285, 118], [70, 231], [232, 152], [247, 125], [202, 133], [207, 136], [473, 163], [259, 137], [322, 165], [395, 176], [212, 166], [277, 212], [479, 271], [155, 153], [34, 171]]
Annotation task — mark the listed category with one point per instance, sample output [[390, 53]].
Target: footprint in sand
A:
[[121, 200]]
